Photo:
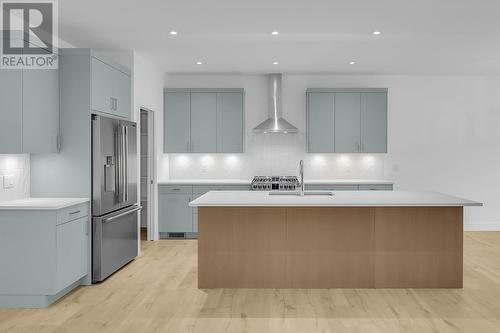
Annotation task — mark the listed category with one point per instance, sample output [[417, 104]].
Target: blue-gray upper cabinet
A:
[[359, 123], [111, 89], [11, 111], [40, 110], [320, 122], [374, 122], [347, 122], [29, 109], [176, 129], [203, 120], [230, 122]]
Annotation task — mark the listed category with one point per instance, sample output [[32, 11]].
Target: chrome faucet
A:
[[301, 177]]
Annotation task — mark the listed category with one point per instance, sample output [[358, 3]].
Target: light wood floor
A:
[[157, 293]]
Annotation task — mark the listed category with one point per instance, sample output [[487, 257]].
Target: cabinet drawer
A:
[[173, 189], [332, 187], [72, 213], [375, 187], [202, 189]]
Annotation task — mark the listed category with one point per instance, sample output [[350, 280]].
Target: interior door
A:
[[105, 165]]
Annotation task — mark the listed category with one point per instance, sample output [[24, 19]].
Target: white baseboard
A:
[[482, 226]]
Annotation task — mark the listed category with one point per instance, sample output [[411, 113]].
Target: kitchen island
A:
[[349, 239]]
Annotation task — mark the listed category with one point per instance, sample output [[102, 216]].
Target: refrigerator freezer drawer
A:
[[115, 241]]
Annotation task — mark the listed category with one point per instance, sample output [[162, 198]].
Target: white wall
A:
[[17, 166], [148, 93], [443, 136]]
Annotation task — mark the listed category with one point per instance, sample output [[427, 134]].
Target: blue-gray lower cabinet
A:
[[44, 254], [175, 217], [350, 187], [175, 214]]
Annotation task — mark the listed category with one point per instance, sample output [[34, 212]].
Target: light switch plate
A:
[[8, 181]]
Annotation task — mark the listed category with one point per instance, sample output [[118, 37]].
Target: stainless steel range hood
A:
[[275, 124]]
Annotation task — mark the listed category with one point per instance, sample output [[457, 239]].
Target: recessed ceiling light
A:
[[352, 62], [173, 33], [275, 33], [275, 62], [376, 33], [199, 63]]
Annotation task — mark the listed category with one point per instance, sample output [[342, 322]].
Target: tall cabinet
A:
[[349, 120], [68, 174], [203, 120]]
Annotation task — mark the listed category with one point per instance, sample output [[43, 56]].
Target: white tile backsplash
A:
[[269, 154], [17, 166]]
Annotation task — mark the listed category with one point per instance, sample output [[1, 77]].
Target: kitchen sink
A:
[[306, 193]]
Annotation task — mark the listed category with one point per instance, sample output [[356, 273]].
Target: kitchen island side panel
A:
[[330, 247]]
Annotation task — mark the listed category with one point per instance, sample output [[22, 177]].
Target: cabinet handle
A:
[[362, 146], [112, 103], [357, 146], [187, 146], [116, 104], [75, 212]]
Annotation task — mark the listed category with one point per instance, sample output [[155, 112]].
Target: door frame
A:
[[152, 195]]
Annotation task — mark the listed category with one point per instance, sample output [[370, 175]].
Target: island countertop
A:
[[338, 199]]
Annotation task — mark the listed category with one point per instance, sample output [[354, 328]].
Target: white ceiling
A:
[[418, 37]]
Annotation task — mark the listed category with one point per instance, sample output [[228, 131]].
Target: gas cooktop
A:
[[275, 183]]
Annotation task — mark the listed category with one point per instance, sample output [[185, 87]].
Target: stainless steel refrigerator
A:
[[114, 195]]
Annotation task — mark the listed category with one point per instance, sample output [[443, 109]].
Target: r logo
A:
[[33, 20]]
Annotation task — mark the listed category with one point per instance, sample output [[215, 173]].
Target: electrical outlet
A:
[[8, 181]]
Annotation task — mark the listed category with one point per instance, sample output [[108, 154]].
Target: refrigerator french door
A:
[[114, 195]]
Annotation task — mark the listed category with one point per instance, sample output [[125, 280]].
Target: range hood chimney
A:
[[275, 124]]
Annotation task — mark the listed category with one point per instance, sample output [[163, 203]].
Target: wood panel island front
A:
[[362, 239]]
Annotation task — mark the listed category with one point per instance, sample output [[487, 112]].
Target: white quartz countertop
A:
[[248, 181], [41, 203], [339, 198], [206, 182]]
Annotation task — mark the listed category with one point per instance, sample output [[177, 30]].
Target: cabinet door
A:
[[11, 111], [347, 122], [320, 121], [40, 110], [102, 86], [175, 215], [230, 122], [122, 94], [176, 134], [72, 249], [374, 122], [203, 122]]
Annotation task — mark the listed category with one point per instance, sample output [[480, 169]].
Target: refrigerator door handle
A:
[[118, 165], [125, 158], [109, 219]]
